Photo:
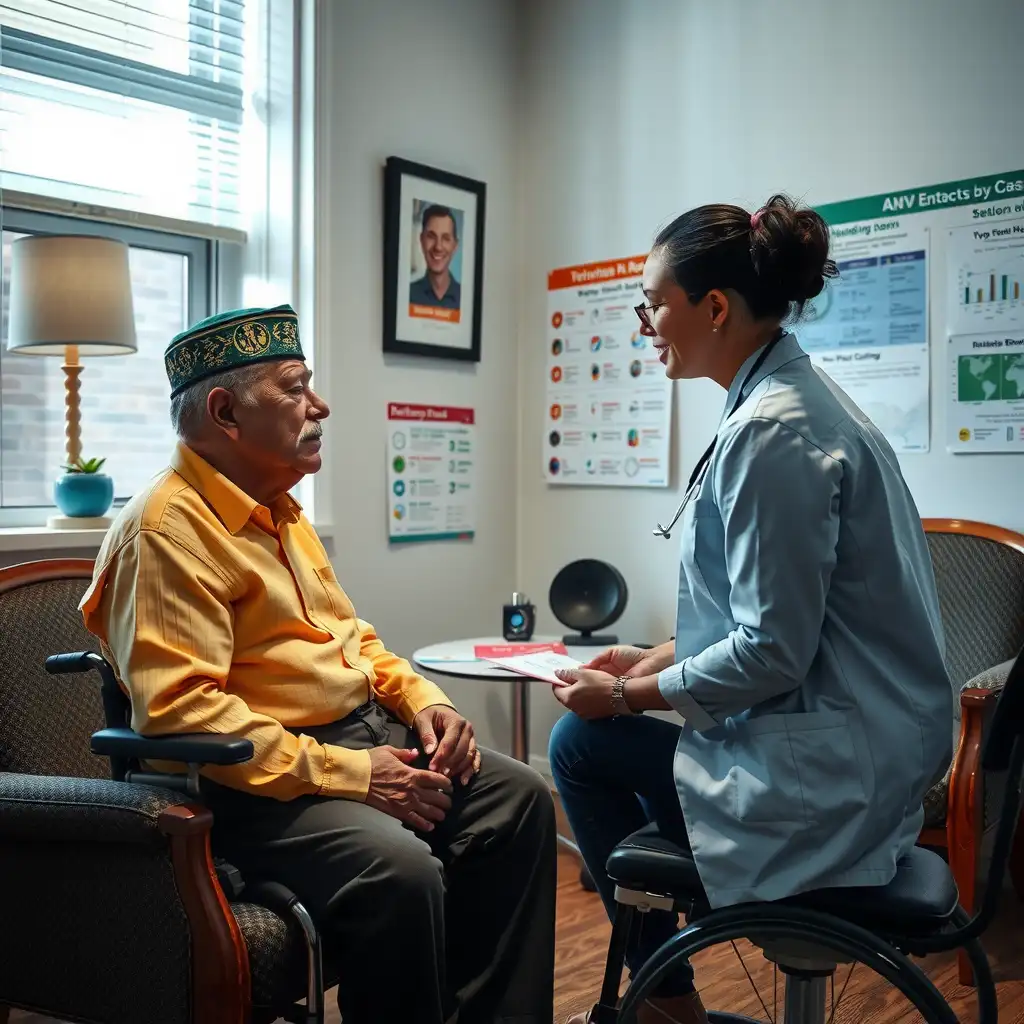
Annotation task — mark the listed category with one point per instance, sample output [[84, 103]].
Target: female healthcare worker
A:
[[807, 666]]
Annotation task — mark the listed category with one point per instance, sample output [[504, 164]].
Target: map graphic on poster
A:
[[986, 392], [431, 474], [608, 413], [869, 330]]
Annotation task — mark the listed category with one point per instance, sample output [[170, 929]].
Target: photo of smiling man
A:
[[436, 293]]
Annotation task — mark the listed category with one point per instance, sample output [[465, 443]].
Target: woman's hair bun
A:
[[789, 248]]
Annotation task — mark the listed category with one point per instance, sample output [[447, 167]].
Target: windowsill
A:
[[42, 538]]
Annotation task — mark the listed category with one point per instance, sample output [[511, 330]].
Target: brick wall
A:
[[124, 398]]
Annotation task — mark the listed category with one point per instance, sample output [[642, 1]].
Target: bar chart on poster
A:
[[986, 273]]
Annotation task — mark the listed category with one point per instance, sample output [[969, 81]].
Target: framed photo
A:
[[433, 261]]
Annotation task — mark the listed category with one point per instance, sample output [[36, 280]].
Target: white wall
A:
[[435, 83], [636, 110]]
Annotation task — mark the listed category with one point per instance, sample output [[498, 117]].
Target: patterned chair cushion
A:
[[936, 801], [277, 955]]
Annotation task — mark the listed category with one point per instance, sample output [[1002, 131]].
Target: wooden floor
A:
[[583, 936]]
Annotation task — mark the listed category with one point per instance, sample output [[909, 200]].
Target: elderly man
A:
[[429, 869]]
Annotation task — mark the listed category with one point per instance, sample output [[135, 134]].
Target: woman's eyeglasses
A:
[[644, 311]]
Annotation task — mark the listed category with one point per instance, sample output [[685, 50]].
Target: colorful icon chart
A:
[[608, 407], [431, 472]]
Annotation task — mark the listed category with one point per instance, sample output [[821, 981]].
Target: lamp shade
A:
[[70, 290]]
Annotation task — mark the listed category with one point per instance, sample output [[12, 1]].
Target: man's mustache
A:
[[313, 434]]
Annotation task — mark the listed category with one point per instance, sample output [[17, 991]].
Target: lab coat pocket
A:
[[799, 767], [707, 548]]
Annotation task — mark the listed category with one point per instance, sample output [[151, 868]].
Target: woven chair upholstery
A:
[[980, 584], [46, 721], [83, 864], [277, 954]]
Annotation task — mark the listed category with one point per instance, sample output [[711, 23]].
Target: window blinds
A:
[[137, 105]]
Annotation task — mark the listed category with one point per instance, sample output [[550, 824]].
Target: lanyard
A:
[[702, 463]]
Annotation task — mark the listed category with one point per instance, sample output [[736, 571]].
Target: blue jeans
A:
[[614, 776]]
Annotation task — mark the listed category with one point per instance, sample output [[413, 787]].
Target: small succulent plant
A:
[[85, 466]]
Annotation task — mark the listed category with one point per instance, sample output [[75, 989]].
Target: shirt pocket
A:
[[800, 768], [336, 598]]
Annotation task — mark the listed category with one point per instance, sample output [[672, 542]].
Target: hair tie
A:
[[755, 219]]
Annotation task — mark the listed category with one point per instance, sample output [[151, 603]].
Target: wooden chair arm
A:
[[965, 809], [977, 699], [221, 983]]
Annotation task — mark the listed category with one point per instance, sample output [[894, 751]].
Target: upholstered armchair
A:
[[979, 572], [112, 909]]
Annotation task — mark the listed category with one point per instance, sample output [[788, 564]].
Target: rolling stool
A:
[[808, 935]]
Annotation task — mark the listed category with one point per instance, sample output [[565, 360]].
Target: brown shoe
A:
[[675, 1010]]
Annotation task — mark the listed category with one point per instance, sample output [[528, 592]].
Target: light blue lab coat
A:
[[818, 710]]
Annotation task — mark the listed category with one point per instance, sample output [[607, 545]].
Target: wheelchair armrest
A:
[[188, 748]]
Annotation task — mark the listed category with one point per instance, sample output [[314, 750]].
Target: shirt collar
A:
[[786, 349], [232, 506]]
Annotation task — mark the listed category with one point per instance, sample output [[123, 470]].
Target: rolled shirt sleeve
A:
[[396, 684], [778, 495]]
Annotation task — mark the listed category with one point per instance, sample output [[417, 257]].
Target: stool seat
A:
[[920, 899]]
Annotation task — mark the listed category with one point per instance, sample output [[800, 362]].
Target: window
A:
[[125, 403], [133, 104], [170, 124]]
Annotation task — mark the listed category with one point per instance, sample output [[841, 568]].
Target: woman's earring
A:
[[714, 330]]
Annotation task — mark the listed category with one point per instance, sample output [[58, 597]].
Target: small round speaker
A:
[[588, 595]]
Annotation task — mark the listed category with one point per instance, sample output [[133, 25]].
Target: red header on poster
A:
[[587, 274], [429, 413]]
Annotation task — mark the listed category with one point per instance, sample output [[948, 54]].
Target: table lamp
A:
[[71, 296]]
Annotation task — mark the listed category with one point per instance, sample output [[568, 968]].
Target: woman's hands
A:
[[634, 661], [588, 689]]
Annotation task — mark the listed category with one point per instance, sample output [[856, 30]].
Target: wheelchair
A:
[[808, 936]]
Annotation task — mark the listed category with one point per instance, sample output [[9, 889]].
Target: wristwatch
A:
[[619, 705]]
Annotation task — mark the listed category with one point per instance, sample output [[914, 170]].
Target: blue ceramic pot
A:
[[84, 495]]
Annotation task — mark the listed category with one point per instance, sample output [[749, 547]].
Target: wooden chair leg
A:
[[963, 863], [1017, 859]]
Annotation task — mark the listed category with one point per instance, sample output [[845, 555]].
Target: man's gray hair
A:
[[188, 407]]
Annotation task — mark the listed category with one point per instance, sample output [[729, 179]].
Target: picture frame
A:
[[434, 231]]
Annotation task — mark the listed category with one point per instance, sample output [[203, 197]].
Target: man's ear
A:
[[220, 405]]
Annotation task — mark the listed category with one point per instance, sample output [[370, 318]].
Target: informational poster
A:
[[869, 329], [986, 393], [949, 260], [431, 474], [608, 414]]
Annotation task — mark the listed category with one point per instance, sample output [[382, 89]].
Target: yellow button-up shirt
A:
[[221, 615]]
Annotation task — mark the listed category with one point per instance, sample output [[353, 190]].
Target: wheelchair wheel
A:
[[779, 925]]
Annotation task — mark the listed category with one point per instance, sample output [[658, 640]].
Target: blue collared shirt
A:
[[421, 293], [810, 673]]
